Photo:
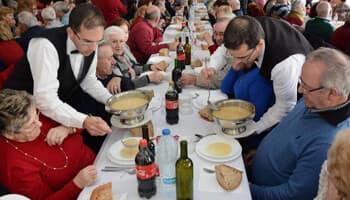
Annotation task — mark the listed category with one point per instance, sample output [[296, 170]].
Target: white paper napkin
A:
[[208, 183]]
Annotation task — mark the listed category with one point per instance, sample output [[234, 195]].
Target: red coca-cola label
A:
[[146, 172], [172, 105], [181, 56]]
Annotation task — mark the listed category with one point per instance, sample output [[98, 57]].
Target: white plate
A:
[[249, 131], [13, 197], [158, 59], [116, 121], [155, 103], [114, 153], [201, 148], [201, 101]]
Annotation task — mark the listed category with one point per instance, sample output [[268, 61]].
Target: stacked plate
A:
[[115, 156], [115, 120], [218, 149]]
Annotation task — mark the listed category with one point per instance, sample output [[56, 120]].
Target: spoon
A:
[[211, 106], [199, 136]]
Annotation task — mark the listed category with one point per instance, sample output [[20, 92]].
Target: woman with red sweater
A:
[[111, 9], [40, 159], [10, 51]]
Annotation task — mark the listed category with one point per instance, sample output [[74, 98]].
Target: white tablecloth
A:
[[188, 125]]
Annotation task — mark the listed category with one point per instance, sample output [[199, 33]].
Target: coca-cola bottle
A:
[[172, 105], [145, 171], [176, 76], [150, 145], [180, 55]]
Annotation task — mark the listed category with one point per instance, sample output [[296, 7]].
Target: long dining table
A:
[[206, 187], [190, 123]]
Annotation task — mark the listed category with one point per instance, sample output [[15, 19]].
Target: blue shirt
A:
[[249, 86], [288, 161]]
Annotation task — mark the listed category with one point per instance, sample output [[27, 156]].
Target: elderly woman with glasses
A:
[[126, 65], [40, 159]]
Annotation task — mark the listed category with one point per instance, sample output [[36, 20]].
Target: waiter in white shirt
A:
[[60, 65], [278, 50]]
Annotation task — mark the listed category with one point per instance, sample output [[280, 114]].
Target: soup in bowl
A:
[[128, 105], [233, 113]]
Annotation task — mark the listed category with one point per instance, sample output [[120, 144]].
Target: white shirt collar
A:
[[70, 46], [261, 57]]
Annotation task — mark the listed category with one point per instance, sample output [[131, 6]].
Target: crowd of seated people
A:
[[71, 56]]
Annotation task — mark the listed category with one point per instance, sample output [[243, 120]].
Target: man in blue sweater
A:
[[288, 161]]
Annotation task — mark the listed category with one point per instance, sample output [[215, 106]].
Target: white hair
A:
[[297, 3], [48, 13], [113, 30], [27, 18], [61, 6], [337, 69]]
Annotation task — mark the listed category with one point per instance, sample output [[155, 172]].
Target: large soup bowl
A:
[[133, 115], [238, 125]]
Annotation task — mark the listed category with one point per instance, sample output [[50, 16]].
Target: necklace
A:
[[40, 161]]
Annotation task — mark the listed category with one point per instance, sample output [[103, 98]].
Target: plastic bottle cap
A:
[[166, 131], [143, 142]]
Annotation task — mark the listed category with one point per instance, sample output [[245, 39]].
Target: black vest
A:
[[21, 78], [281, 41]]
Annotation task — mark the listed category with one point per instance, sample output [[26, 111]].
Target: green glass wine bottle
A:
[[184, 175]]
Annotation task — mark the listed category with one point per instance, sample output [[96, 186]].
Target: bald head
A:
[[152, 13], [324, 9]]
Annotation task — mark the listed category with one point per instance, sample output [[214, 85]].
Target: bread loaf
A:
[[163, 65], [228, 177], [204, 47], [206, 114], [196, 63], [164, 52], [200, 28], [102, 192], [200, 36]]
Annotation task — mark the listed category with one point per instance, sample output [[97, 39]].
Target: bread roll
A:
[[200, 36], [177, 20], [163, 65], [102, 192], [200, 28], [206, 114], [196, 63], [164, 52], [204, 47], [197, 23], [137, 131], [228, 177]]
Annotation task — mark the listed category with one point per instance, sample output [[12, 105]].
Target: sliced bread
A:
[[228, 177]]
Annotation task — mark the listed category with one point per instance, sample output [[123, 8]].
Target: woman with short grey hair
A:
[[39, 158], [126, 65]]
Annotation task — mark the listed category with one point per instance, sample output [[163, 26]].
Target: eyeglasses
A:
[[26, 128], [87, 42], [305, 89], [241, 61]]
